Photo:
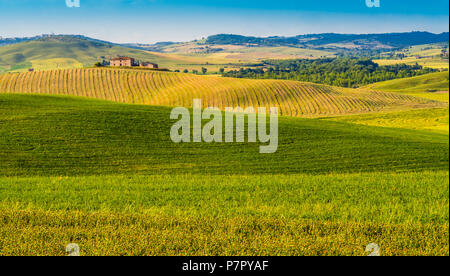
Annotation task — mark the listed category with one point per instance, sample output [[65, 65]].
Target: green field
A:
[[68, 52], [433, 86], [436, 120], [62, 52], [106, 176]]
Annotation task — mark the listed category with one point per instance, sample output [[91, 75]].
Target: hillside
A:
[[228, 48], [362, 41], [176, 89], [89, 137], [92, 172], [427, 55], [70, 52], [432, 86], [435, 120], [215, 52], [332, 40]]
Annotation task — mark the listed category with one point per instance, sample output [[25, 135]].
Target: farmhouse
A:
[[131, 62], [122, 62]]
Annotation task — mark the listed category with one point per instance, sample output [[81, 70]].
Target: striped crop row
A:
[[176, 89]]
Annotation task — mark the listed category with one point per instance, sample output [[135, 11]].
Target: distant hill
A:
[[176, 89], [15, 40], [68, 52], [66, 136], [75, 51], [397, 40]]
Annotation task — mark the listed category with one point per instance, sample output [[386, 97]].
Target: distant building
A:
[[122, 62], [148, 65], [131, 62]]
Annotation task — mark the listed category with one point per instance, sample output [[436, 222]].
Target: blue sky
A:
[[149, 21]]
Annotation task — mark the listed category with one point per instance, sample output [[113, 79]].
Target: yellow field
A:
[[435, 63], [427, 55], [60, 63], [176, 89]]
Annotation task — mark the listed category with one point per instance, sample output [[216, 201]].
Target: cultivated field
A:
[[176, 89], [106, 176], [427, 55], [434, 62]]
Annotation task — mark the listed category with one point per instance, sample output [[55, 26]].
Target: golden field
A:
[[175, 89]]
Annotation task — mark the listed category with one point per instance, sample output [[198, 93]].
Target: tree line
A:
[[344, 72]]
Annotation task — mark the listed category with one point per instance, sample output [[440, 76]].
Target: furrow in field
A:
[[176, 89]]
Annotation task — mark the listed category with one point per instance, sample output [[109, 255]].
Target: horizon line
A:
[[270, 36]]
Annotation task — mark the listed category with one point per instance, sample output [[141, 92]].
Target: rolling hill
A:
[[432, 86], [215, 52], [427, 55], [92, 137], [228, 48], [106, 176], [176, 89], [386, 40], [435, 120], [71, 52]]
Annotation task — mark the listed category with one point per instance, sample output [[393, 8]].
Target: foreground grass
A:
[[406, 214], [107, 176], [36, 232]]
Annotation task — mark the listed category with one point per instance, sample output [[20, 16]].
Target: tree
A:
[[98, 64], [195, 71], [346, 72], [222, 70], [204, 70], [186, 71]]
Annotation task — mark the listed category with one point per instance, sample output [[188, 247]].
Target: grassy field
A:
[[65, 52], [176, 89], [431, 86], [106, 175], [436, 120], [96, 137], [405, 213], [432, 62]]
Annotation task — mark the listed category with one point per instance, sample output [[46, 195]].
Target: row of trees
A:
[[344, 72], [194, 71]]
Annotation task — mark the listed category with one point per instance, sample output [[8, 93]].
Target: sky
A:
[[150, 21]]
